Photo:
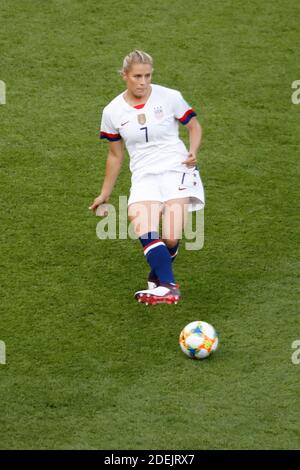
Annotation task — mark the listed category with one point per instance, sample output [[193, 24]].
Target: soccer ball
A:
[[198, 339]]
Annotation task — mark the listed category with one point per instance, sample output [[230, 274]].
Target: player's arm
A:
[[195, 136], [114, 162]]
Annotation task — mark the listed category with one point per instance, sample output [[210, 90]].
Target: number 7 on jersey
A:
[[146, 132]]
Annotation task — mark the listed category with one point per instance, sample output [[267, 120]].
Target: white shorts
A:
[[169, 185]]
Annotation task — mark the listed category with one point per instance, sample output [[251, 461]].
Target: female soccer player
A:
[[165, 182]]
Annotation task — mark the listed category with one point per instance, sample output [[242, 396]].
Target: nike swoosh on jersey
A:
[[181, 189], [123, 123]]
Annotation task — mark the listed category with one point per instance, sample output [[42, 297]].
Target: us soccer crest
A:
[[158, 112], [141, 118]]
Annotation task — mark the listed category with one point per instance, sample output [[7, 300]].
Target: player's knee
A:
[[170, 242]]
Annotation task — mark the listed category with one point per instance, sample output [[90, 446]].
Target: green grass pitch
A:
[[87, 367]]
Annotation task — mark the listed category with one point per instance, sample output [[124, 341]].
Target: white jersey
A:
[[150, 132]]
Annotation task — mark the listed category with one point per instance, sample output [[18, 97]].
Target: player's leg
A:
[[144, 217], [174, 219], [173, 247]]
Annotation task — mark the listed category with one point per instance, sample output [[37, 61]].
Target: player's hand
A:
[[191, 160], [98, 202]]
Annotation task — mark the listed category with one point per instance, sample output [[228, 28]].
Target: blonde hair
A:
[[135, 57]]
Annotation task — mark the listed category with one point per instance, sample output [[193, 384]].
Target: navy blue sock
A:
[[158, 257], [173, 251]]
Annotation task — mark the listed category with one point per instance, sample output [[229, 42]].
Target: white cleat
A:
[[167, 294], [151, 285]]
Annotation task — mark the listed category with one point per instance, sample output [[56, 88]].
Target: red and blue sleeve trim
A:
[[185, 119], [110, 137]]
